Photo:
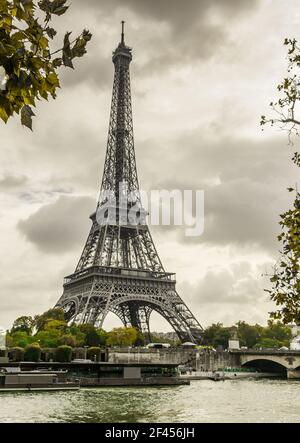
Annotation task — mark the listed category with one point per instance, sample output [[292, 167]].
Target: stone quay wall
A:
[[198, 360]]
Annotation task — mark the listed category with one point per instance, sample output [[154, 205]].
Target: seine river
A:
[[202, 401]]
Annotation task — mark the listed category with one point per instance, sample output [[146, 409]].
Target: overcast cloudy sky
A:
[[202, 74]]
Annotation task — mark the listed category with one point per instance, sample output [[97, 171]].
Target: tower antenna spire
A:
[[122, 35]]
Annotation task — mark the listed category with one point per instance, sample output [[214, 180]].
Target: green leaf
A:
[[3, 114], [53, 79], [26, 116], [25, 54], [43, 43]]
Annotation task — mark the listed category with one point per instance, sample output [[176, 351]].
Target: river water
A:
[[202, 401]]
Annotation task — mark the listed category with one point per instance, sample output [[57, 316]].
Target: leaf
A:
[[67, 60], [3, 114], [286, 83], [57, 62], [58, 8], [67, 43], [51, 32], [78, 49], [53, 79], [86, 35], [67, 54], [60, 11], [43, 42], [45, 5], [26, 116]]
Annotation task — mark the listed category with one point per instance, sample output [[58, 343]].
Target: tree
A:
[[248, 335], [140, 340], [122, 336], [48, 339], [268, 343], [285, 280], [77, 334], [28, 70], [86, 328], [217, 335], [52, 314], [59, 325], [19, 339], [23, 324], [92, 338], [102, 334], [284, 109], [278, 331], [68, 340]]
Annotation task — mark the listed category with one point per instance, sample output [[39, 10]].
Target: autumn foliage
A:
[[28, 63]]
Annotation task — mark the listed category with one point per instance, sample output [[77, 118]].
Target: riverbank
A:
[[223, 375]]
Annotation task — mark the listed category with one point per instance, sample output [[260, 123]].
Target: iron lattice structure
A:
[[119, 269]]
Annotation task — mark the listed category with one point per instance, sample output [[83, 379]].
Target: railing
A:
[[107, 270], [264, 351]]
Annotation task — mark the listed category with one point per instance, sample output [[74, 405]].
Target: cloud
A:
[[201, 78], [244, 183], [12, 181], [164, 34], [60, 226], [238, 283], [182, 16], [229, 293]]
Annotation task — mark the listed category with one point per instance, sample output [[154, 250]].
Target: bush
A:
[[94, 353], [63, 353], [80, 353], [68, 340], [48, 354], [32, 353], [268, 343], [17, 354]]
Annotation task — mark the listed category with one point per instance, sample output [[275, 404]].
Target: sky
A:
[[202, 75]]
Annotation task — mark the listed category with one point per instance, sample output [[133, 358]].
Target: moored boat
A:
[[13, 379]]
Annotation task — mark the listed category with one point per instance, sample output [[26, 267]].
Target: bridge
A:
[[271, 360]]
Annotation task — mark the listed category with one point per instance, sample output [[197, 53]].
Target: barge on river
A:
[[96, 374], [15, 380]]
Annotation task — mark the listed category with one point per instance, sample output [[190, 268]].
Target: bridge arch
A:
[[265, 364]]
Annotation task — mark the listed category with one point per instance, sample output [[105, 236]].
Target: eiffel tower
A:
[[119, 269]]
